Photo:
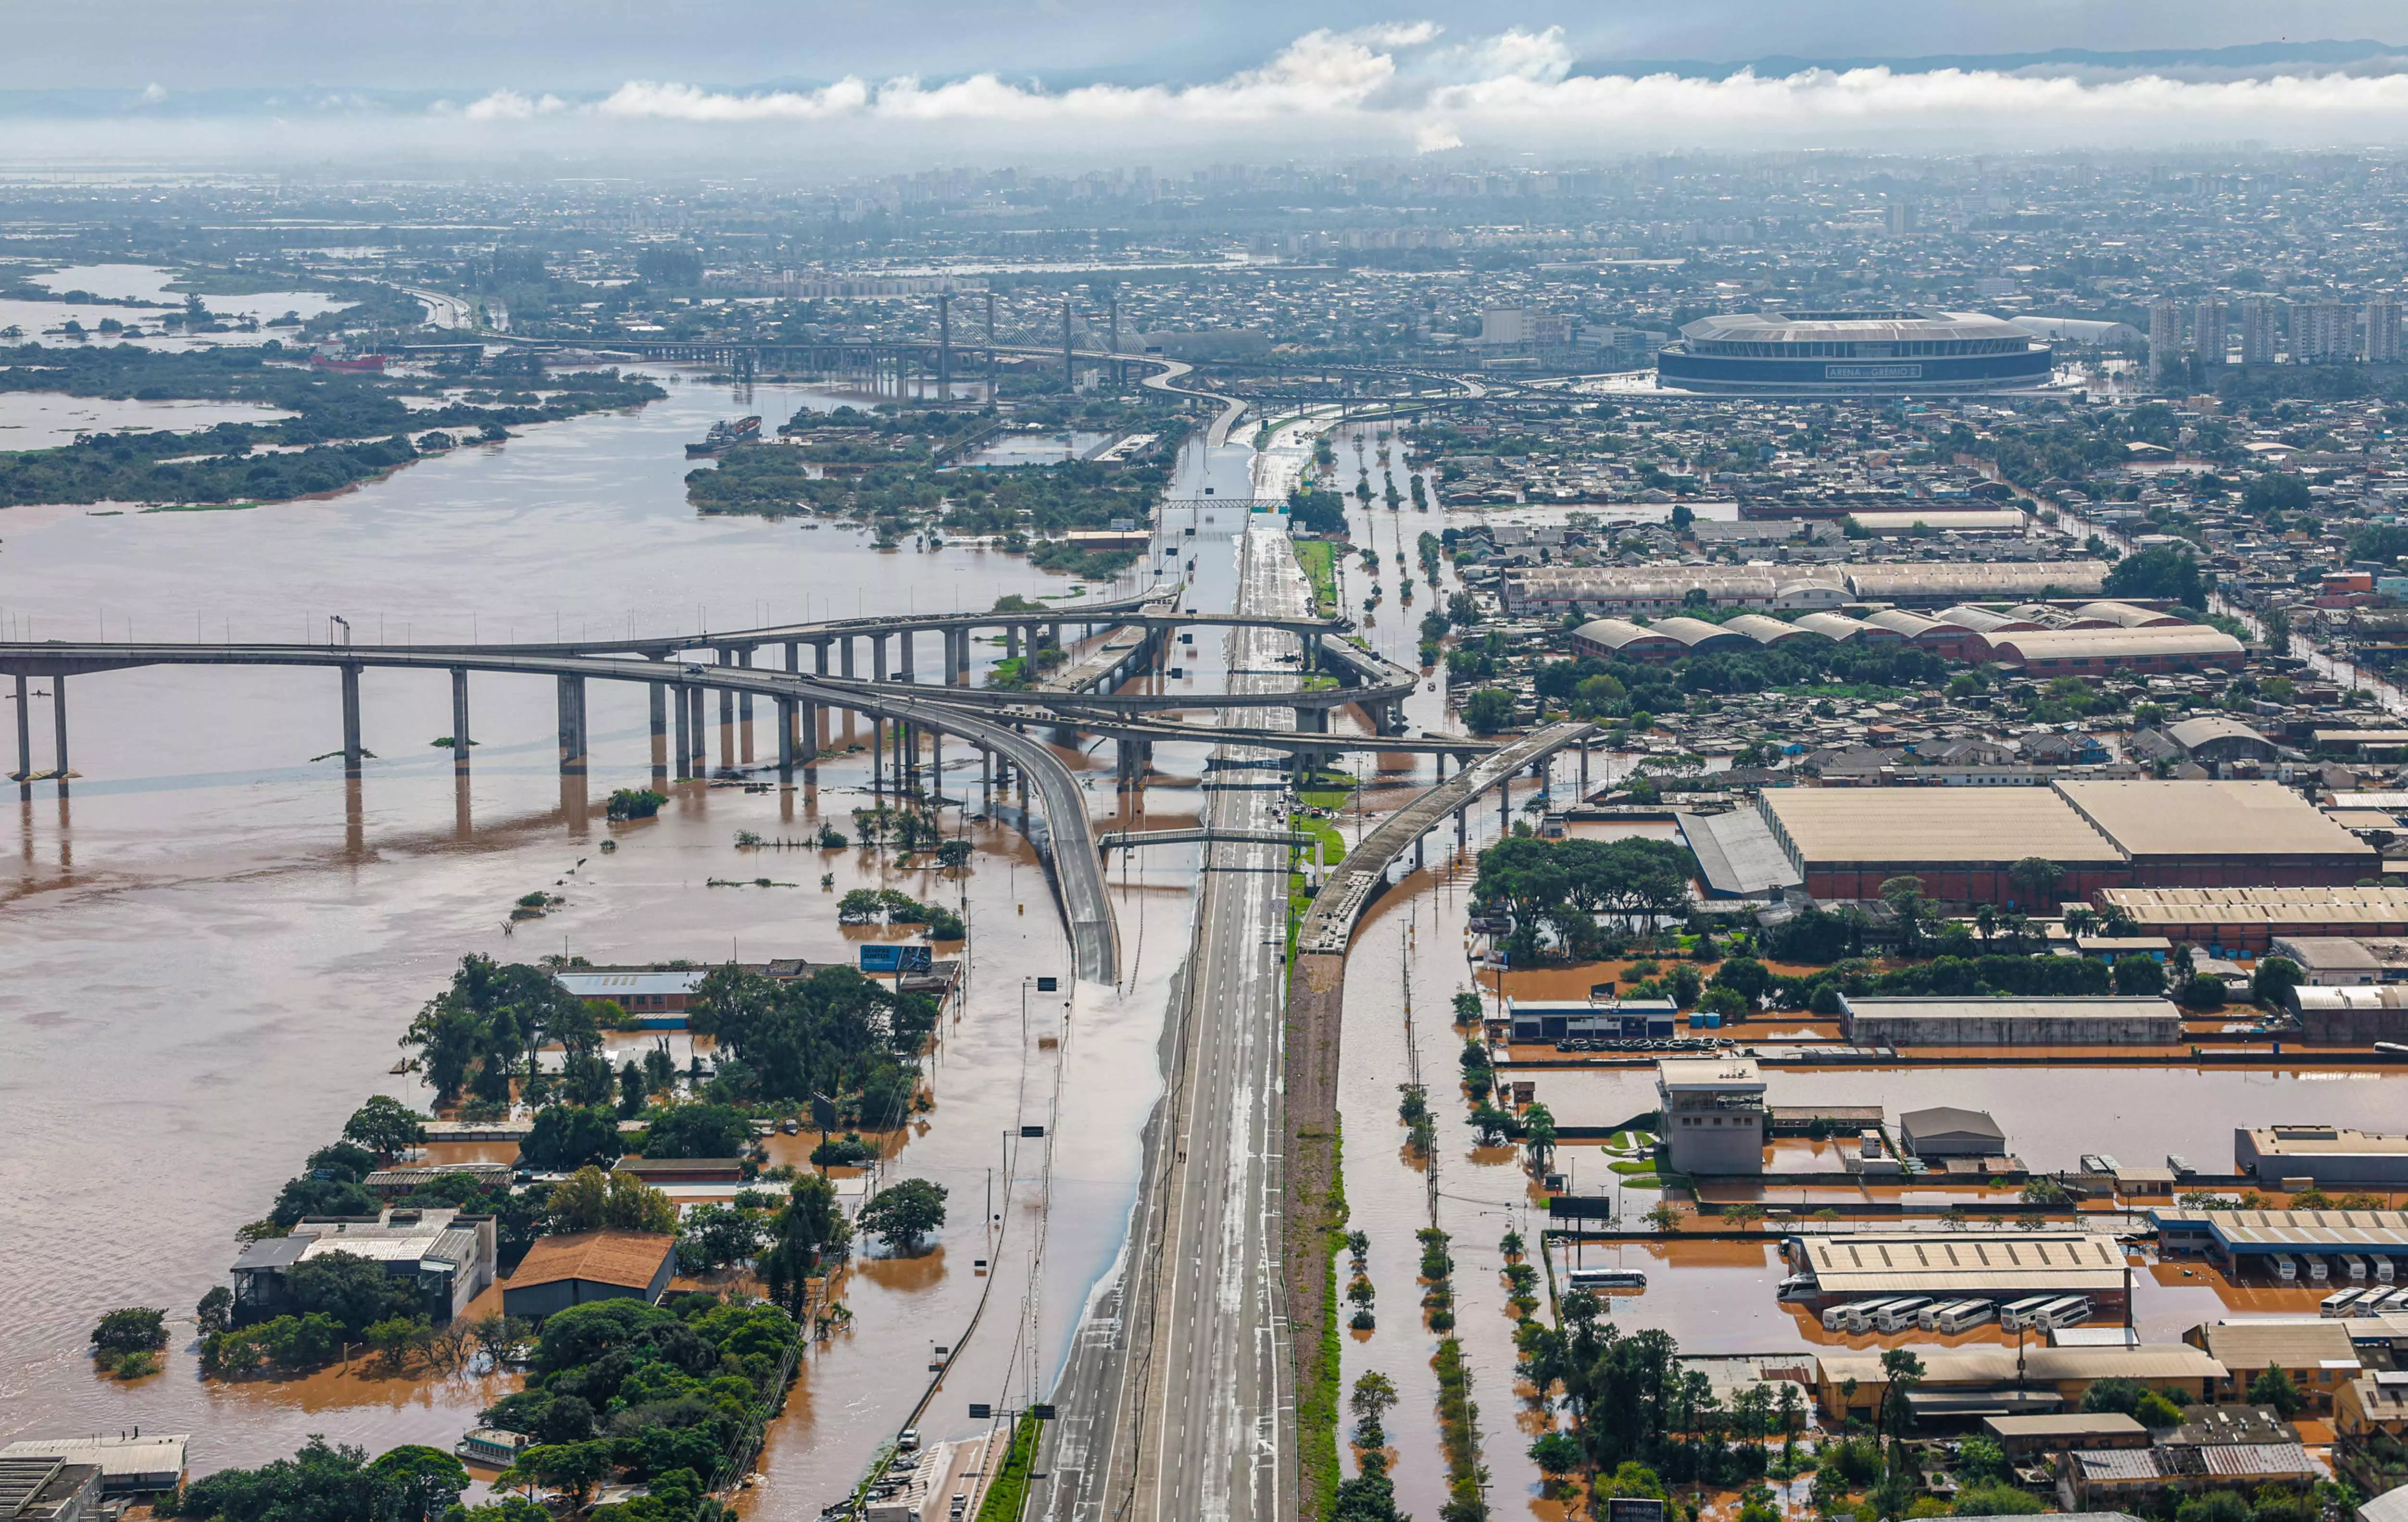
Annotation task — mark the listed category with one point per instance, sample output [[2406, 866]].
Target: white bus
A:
[[2342, 1303], [1858, 1314], [1963, 1317], [1927, 1318], [2383, 1271], [2286, 1268], [2317, 1273], [2353, 1267], [1609, 1278], [1899, 1314], [2019, 1314], [2072, 1311]]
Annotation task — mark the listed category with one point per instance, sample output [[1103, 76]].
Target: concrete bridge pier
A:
[[460, 721], [786, 743], [572, 725], [794, 658], [744, 710], [698, 758], [351, 722], [877, 658], [726, 718], [818, 656], [986, 771], [877, 757], [844, 655], [1420, 861], [903, 643], [656, 699], [1504, 807], [1462, 831], [1011, 642], [936, 766], [952, 665], [806, 723], [25, 742], [684, 752]]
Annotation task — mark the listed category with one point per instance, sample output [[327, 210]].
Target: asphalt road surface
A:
[[1177, 1402]]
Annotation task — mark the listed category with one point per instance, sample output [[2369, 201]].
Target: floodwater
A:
[[46, 419], [149, 282], [215, 943], [1412, 948], [2050, 1115]]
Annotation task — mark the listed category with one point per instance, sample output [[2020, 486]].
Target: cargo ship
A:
[[365, 363], [726, 435]]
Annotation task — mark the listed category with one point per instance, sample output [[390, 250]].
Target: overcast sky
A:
[[805, 81], [597, 43]]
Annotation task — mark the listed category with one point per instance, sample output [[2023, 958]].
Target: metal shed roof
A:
[[1876, 1261]]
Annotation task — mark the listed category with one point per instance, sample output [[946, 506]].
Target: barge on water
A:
[[726, 435]]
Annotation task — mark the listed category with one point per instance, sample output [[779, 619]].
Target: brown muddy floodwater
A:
[[213, 944]]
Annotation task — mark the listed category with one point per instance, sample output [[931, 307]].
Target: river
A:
[[214, 943]]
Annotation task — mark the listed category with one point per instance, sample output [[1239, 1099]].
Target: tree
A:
[[134, 1329], [1663, 1215], [699, 1130], [385, 1126], [1904, 894], [2139, 974], [566, 1137], [355, 1292], [1556, 1454], [573, 1468], [2202, 992], [809, 1225], [901, 1214], [2036, 878], [2274, 980], [1488, 710], [1538, 1135], [712, 1236], [424, 1482], [215, 1312], [318, 1482], [2165, 572], [2275, 1388], [394, 1338], [1904, 1371], [590, 1200]]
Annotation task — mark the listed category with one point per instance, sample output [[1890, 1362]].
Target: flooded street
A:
[[215, 944]]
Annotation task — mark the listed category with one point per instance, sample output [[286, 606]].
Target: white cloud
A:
[[509, 105], [1435, 137], [153, 92]]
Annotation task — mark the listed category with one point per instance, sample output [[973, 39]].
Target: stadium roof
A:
[[1917, 326]]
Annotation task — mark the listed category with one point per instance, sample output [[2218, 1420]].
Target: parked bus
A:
[[1899, 1314], [1927, 1318], [2019, 1314], [1963, 1317], [2286, 1268], [2317, 1273], [1858, 1314], [2342, 1303], [2353, 1267], [2072, 1311], [1608, 1279]]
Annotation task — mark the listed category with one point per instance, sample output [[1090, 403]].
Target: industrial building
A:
[[1843, 843], [2255, 1239], [2351, 1016], [1944, 1130], [1872, 354], [1944, 583], [559, 1272], [1613, 1019], [1955, 1265], [2246, 919], [2090, 652], [42, 1488], [448, 1256], [2315, 1351], [2103, 836], [2102, 1021], [2331, 1155], [1714, 1114], [2345, 961], [129, 1466], [1976, 1381]]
